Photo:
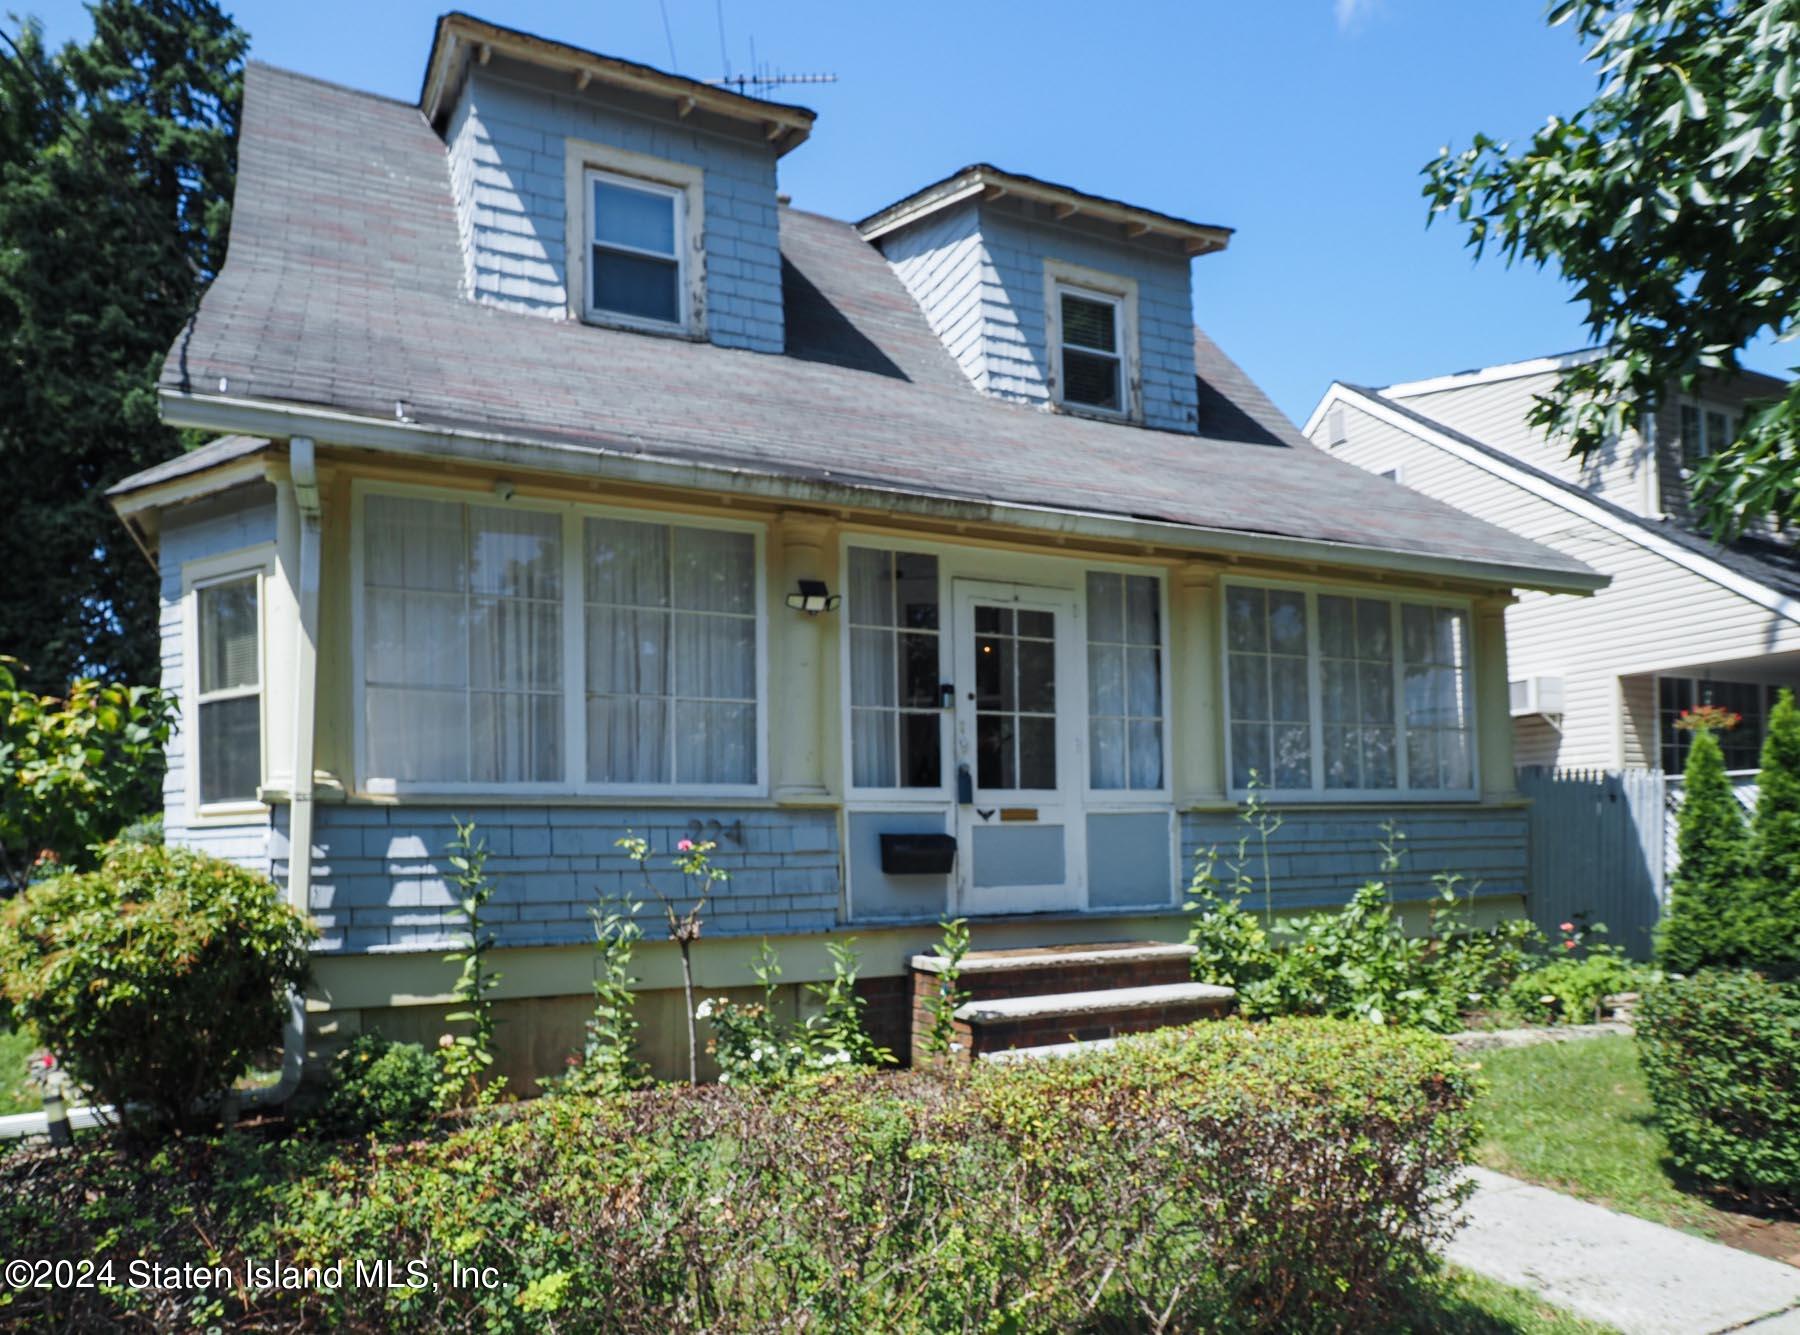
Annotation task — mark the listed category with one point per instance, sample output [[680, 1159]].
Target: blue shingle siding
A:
[[229, 523], [1318, 858], [380, 877], [506, 143], [978, 274]]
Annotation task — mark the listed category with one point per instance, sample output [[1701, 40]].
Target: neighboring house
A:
[[570, 482], [1598, 683]]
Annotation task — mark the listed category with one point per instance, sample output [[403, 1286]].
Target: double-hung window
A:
[[1706, 429], [1091, 328], [228, 690], [896, 719], [1125, 673], [1337, 693], [635, 234]]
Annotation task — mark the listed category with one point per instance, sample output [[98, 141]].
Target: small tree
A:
[[466, 1057], [699, 878], [1701, 926], [73, 771], [1772, 894]]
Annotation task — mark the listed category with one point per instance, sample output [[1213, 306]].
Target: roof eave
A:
[[462, 37], [990, 183], [629, 461]]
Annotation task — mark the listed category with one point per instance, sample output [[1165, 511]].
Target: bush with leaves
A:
[[156, 979], [380, 1088], [1703, 924], [753, 1045], [1579, 975], [1721, 1057], [942, 1002], [74, 771], [1358, 962], [608, 1063], [1289, 1176], [465, 1058]]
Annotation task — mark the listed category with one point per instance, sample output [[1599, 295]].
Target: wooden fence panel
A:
[[1597, 851]]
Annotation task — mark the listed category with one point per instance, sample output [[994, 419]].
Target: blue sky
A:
[[1302, 123]]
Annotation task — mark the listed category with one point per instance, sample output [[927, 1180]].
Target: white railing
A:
[[1743, 787]]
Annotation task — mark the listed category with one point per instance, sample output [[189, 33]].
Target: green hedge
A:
[[1286, 1176], [1721, 1055]]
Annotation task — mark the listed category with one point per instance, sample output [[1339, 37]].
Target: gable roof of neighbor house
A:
[[1772, 566], [340, 313]]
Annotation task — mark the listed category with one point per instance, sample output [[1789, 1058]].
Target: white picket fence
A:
[[1743, 786]]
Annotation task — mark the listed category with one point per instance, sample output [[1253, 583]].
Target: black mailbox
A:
[[918, 854]]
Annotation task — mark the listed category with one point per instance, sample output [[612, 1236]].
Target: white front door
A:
[[1018, 750]]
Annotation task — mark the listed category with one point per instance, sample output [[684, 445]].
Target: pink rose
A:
[[1568, 945], [685, 846]]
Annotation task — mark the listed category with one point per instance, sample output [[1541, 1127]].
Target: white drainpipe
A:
[[303, 469]]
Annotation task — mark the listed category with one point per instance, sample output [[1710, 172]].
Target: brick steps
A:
[[1054, 996]]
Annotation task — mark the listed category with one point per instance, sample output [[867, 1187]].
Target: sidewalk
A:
[[1641, 1277]]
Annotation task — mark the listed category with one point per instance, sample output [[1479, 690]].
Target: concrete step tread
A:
[[1059, 957], [1103, 1001], [1008, 1056]]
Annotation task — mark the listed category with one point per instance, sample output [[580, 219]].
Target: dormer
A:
[[1049, 296], [594, 189]]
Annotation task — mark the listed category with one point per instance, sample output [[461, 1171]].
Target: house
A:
[[1599, 683], [569, 480]]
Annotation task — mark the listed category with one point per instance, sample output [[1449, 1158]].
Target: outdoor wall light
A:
[[814, 598]]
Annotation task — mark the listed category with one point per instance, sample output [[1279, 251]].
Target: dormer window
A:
[[635, 269], [1706, 429], [640, 257], [1092, 341], [1092, 363]]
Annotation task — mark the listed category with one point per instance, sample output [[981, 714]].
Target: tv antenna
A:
[[763, 78]]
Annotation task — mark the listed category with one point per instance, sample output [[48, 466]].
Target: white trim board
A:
[[1694, 562], [1488, 375]]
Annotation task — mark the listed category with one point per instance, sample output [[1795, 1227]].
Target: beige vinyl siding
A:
[[1655, 616], [1495, 414]]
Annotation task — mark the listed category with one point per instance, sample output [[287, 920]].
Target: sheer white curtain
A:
[[1434, 643], [462, 642], [1125, 747], [671, 654]]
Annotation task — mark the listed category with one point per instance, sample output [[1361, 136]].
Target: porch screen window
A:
[[671, 654], [1271, 707], [896, 722], [634, 267], [463, 642], [1092, 360], [1125, 744], [1742, 745], [229, 703], [1335, 693]]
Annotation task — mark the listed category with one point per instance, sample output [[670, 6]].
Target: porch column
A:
[[1195, 698], [1493, 705], [801, 661]]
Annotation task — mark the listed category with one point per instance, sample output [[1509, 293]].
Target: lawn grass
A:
[[1576, 1117], [1463, 1303], [17, 1094]]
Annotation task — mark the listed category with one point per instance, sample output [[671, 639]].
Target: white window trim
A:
[[583, 160], [257, 562], [1061, 276], [574, 652], [1317, 792]]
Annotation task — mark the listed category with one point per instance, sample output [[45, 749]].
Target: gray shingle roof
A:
[[342, 290]]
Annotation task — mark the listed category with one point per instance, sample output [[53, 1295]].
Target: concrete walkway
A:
[[1643, 1278]]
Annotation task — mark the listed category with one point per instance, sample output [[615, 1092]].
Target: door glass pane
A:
[[1015, 698]]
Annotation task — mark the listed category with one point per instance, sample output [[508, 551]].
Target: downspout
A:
[[304, 475], [303, 470]]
